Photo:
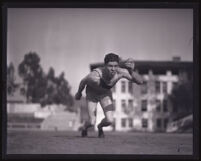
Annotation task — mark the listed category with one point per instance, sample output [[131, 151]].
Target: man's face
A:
[[112, 67]]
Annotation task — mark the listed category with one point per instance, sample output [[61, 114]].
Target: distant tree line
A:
[[40, 87], [11, 84]]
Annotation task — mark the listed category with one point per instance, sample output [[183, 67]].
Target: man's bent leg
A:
[[91, 112], [90, 122], [108, 120], [108, 109]]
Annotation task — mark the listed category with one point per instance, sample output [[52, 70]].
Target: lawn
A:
[[69, 142]]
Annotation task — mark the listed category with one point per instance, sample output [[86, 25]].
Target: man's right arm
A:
[[81, 87], [82, 84], [92, 80]]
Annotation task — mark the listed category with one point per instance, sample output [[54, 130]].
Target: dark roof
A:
[[160, 66]]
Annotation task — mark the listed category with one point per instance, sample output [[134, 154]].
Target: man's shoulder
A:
[[99, 71], [94, 74]]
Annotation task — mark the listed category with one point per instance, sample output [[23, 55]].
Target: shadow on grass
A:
[[75, 137]]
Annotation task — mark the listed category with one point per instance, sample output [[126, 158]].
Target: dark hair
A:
[[111, 57]]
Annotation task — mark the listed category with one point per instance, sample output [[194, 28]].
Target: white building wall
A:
[[22, 108], [149, 114], [119, 113]]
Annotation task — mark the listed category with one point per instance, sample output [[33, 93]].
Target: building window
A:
[[165, 108], [114, 104], [166, 122], [144, 105], [123, 122], [130, 87], [123, 105], [158, 123], [130, 104], [158, 105], [164, 87], [123, 86], [144, 123], [157, 86], [114, 124], [130, 122], [144, 88]]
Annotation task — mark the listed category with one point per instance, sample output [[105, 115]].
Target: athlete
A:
[[98, 85]]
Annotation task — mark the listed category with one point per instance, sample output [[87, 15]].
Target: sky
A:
[[70, 39]]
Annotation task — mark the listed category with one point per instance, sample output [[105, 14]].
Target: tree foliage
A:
[[32, 74], [11, 85], [57, 90], [182, 99], [44, 88]]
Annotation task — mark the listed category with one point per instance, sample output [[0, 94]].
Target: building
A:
[[146, 107], [31, 116]]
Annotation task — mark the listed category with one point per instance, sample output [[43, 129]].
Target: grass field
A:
[[68, 142]]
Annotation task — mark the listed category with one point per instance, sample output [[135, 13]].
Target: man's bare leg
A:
[[91, 106], [107, 121]]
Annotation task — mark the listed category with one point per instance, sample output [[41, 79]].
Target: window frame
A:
[[145, 123], [123, 86], [142, 105]]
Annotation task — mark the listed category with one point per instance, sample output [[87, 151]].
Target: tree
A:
[[57, 91], [42, 88], [11, 85], [32, 74], [64, 91], [182, 99], [51, 74]]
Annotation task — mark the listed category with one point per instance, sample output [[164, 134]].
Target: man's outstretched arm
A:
[[81, 87], [129, 73], [135, 77]]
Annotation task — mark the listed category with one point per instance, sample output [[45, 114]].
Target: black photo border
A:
[[103, 4]]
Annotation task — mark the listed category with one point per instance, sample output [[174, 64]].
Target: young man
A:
[[98, 89]]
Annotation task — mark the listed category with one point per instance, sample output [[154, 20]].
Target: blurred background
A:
[[50, 50]]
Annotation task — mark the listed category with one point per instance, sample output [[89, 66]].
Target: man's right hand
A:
[[127, 64], [78, 96]]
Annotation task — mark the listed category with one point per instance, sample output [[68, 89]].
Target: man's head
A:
[[111, 57], [111, 63]]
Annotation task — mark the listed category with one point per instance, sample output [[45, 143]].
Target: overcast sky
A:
[[70, 39]]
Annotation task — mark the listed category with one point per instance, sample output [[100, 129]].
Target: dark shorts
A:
[[105, 99]]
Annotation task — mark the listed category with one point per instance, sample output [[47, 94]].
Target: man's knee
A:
[[109, 108], [109, 120], [109, 117], [92, 120]]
